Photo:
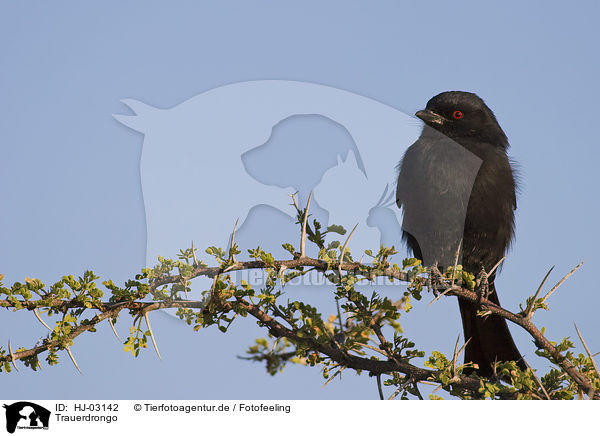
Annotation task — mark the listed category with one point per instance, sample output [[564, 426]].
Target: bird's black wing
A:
[[435, 179]]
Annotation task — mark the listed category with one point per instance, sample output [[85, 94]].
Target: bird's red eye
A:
[[457, 115]]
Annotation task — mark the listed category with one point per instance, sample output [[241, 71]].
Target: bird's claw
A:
[[483, 286], [435, 280]]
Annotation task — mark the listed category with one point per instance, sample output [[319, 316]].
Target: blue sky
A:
[[70, 179]]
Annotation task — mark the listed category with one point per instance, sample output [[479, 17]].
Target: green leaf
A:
[[336, 229]]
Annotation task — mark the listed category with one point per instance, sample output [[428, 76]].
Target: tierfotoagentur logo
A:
[[270, 139], [26, 415]]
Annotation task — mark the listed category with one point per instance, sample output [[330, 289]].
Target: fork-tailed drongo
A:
[[457, 188]]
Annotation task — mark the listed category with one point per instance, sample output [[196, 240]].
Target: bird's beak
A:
[[430, 117]]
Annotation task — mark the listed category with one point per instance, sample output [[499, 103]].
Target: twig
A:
[[334, 352], [338, 355], [540, 340], [275, 328]]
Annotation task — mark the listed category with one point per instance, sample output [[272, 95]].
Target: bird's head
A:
[[459, 114]]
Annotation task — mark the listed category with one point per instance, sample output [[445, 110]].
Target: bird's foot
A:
[[435, 280], [482, 286]]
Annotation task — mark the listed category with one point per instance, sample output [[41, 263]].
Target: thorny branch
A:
[[110, 310]]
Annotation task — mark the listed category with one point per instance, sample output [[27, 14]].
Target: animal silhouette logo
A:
[[26, 415], [201, 164]]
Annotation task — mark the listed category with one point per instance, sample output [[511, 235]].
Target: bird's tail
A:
[[490, 339]]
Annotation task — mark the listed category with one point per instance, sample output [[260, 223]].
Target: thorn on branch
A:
[[556, 286], [112, 326], [231, 255], [496, 266], [73, 360], [184, 284], [151, 334], [214, 283], [37, 315], [341, 262], [417, 392], [590, 355], [457, 354], [303, 236], [194, 254], [403, 387], [455, 264], [281, 272], [339, 316], [370, 347], [539, 382], [440, 295], [12, 356], [295, 202], [339, 371], [529, 309], [379, 388], [344, 249]]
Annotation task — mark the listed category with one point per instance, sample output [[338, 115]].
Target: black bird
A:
[[457, 189]]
